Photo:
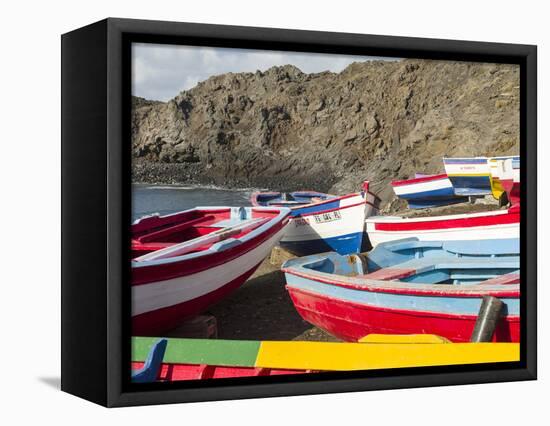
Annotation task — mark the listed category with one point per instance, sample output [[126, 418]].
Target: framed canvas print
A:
[[252, 212]]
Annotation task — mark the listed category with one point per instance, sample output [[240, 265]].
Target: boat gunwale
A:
[[398, 219], [419, 312], [268, 228], [412, 181], [359, 283]]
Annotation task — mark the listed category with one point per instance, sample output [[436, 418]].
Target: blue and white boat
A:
[[470, 176], [322, 222], [408, 287], [425, 191]]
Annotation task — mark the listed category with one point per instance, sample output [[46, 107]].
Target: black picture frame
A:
[[96, 210]]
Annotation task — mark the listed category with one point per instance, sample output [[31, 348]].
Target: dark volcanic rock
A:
[[283, 129]]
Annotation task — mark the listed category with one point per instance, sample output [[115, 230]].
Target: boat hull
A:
[[477, 226], [501, 170], [469, 176], [169, 317], [351, 321], [334, 226], [510, 180], [177, 372], [166, 292], [427, 191], [196, 359], [408, 287]]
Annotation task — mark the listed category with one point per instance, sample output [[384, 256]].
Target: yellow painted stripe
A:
[[403, 338], [469, 174], [496, 188], [368, 356]]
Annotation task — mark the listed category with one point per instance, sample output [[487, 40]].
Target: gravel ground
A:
[[262, 310]]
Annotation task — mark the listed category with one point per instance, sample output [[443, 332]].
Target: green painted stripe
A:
[[236, 353]]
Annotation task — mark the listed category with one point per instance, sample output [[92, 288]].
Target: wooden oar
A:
[[214, 237]]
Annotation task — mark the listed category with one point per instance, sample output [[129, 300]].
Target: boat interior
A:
[[192, 231], [291, 199], [413, 261]]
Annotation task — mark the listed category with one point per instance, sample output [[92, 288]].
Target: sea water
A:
[[164, 199]]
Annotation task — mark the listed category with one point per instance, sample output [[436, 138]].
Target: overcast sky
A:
[[160, 72]]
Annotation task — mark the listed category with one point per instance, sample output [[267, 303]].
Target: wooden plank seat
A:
[[418, 266]]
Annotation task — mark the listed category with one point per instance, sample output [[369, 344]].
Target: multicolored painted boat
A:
[[470, 176], [184, 262], [498, 224], [408, 286], [198, 359], [322, 222], [510, 180], [195, 359], [425, 191], [501, 171]]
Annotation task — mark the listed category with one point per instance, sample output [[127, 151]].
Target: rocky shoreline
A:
[[282, 129], [193, 174]]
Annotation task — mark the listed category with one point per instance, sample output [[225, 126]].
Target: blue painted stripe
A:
[[315, 208], [433, 198], [344, 244], [471, 185], [465, 160], [434, 193], [506, 158], [449, 305]]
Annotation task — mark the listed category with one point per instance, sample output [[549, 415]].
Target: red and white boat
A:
[[499, 224], [510, 179], [424, 191], [184, 262]]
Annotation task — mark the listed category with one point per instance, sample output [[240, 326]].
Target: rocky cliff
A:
[[283, 129]]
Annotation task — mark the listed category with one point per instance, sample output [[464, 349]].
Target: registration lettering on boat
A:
[[327, 217], [301, 221]]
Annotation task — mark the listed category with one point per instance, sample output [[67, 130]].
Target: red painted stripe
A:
[[153, 322], [399, 287], [352, 321], [152, 273], [331, 210], [419, 180], [178, 372], [467, 222]]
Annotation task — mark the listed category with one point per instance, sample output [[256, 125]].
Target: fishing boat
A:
[[171, 359], [184, 262], [501, 169], [323, 222], [408, 286], [510, 180], [425, 191], [470, 176], [497, 224]]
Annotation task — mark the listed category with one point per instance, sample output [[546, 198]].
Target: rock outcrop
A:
[[284, 129]]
